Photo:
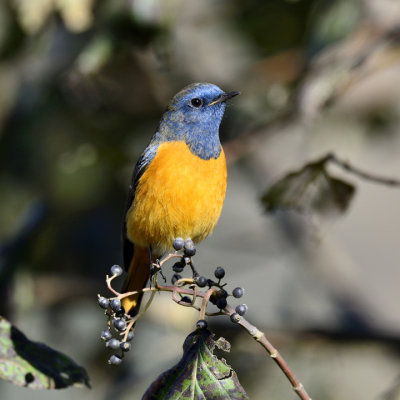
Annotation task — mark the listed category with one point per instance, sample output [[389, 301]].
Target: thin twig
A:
[[362, 174], [272, 351], [110, 288], [206, 299], [145, 308]]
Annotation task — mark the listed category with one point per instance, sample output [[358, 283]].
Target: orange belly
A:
[[179, 195]]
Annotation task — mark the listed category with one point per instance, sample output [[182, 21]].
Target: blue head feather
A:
[[193, 116]]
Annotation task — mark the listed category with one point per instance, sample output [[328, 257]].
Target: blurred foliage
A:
[[35, 365], [312, 189]]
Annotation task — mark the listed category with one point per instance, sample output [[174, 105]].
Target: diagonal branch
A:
[[259, 336], [362, 174]]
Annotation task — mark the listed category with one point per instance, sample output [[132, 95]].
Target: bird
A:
[[178, 184]]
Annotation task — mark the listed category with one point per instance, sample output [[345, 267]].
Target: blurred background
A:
[[82, 86]]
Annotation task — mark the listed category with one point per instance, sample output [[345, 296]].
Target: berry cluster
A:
[[116, 324], [189, 250], [221, 295], [119, 331]]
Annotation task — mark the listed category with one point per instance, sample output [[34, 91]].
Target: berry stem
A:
[[110, 288], [205, 301]]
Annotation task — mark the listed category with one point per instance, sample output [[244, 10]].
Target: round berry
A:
[[222, 294], [238, 292], [219, 272], [115, 360], [119, 324], [106, 334], [189, 248], [103, 302], [188, 243], [125, 346], [120, 313], [241, 309], [130, 336], [113, 344], [116, 270], [201, 281], [115, 304], [190, 252], [178, 243], [178, 266], [235, 318], [175, 278], [221, 303], [186, 299], [201, 324]]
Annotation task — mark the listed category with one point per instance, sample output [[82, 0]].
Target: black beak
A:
[[224, 97]]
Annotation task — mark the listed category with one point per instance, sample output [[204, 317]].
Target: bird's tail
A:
[[138, 274]]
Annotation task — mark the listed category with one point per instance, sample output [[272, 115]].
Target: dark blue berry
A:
[[106, 334], [113, 344], [120, 313], [130, 336], [201, 324], [186, 299], [119, 324], [201, 281], [116, 270], [219, 272], [178, 266], [103, 302], [115, 360], [189, 248], [238, 292], [115, 304], [235, 318], [125, 346], [221, 303], [222, 294], [241, 309], [178, 243]]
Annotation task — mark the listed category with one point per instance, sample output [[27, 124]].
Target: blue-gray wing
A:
[[140, 168]]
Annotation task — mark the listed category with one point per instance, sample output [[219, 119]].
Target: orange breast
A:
[[179, 194]]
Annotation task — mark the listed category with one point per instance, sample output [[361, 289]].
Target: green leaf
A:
[[199, 374], [35, 365], [311, 189]]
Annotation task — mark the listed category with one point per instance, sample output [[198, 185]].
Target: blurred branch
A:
[[362, 174], [312, 188]]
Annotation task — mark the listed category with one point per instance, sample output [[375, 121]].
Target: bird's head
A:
[[194, 115]]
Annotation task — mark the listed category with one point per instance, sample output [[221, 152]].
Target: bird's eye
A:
[[196, 102]]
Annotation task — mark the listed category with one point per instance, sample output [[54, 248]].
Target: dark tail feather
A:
[[138, 275]]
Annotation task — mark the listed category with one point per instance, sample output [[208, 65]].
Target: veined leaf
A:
[[199, 374]]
